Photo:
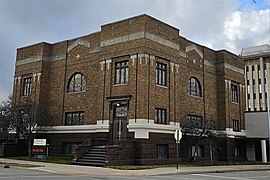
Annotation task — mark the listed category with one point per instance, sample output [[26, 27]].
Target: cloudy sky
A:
[[218, 24]]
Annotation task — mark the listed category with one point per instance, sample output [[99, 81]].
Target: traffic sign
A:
[[178, 135]]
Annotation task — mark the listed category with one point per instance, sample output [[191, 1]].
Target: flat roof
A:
[[255, 50]]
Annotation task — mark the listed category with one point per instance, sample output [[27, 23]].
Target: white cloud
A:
[[244, 29]]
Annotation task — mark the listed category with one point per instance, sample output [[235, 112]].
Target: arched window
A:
[[194, 87], [76, 83]]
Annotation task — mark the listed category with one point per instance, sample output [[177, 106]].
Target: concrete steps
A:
[[94, 157]]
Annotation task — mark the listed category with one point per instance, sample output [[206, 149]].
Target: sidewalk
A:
[[99, 171]]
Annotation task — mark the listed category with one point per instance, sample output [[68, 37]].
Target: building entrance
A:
[[120, 112]]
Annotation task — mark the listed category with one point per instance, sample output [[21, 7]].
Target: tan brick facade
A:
[[142, 41]]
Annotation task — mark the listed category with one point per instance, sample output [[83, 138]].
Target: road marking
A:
[[49, 176], [259, 177], [221, 177], [175, 177]]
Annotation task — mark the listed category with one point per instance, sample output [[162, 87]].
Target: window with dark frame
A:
[[162, 151], [120, 111], [161, 74], [236, 151], [236, 125], [194, 87], [69, 147], [197, 151], [74, 118], [27, 86], [77, 83], [121, 72], [161, 116], [195, 121], [234, 93]]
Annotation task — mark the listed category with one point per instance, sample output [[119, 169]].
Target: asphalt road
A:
[[26, 174]]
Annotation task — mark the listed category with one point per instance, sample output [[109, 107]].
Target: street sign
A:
[[178, 135]]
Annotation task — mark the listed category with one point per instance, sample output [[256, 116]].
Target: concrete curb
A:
[[99, 171]]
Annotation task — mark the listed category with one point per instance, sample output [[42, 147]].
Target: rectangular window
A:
[[234, 94], [161, 74], [247, 68], [162, 151], [68, 147], [197, 151], [195, 121], [120, 111], [236, 125], [121, 72], [27, 86], [161, 116], [74, 118], [236, 151]]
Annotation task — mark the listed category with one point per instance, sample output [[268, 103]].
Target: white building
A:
[[257, 74]]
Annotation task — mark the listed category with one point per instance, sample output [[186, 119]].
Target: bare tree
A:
[[5, 117], [196, 130], [29, 120]]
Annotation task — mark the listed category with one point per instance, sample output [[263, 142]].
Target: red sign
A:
[[38, 150]]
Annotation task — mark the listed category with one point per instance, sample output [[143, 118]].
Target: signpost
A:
[[40, 149], [178, 137]]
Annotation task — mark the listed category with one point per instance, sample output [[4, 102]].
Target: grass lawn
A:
[[49, 159], [18, 165], [189, 164]]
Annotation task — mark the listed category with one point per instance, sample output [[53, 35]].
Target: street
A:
[[28, 174]]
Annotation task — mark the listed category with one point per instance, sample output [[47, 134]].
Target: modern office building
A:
[[257, 59], [124, 91]]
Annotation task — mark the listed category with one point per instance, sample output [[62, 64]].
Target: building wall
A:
[[142, 41]]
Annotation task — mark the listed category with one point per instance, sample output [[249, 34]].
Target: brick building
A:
[[128, 87]]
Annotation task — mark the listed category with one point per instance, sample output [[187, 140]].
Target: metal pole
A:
[[177, 143], [268, 115]]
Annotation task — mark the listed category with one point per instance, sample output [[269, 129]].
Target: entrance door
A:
[[119, 122]]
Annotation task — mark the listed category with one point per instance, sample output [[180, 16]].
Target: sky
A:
[[217, 24]]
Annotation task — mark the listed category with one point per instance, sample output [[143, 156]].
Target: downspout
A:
[[204, 113], [136, 97], [148, 99], [169, 88], [174, 94], [64, 90], [104, 93]]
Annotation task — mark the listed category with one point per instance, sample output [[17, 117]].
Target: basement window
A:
[[162, 151], [68, 148]]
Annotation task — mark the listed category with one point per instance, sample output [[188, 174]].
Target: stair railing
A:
[[81, 149]]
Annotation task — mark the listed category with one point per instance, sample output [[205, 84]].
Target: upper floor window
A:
[[234, 94], [27, 86], [74, 118], [194, 87], [121, 72], [161, 74], [76, 83], [195, 121], [161, 116]]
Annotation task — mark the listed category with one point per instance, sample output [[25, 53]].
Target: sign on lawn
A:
[[39, 142]]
